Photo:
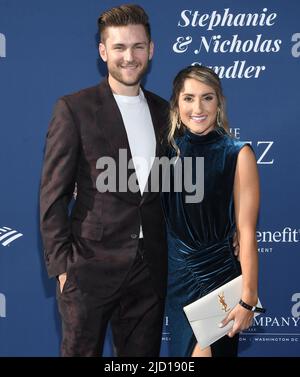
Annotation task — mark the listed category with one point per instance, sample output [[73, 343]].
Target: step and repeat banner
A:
[[49, 48]]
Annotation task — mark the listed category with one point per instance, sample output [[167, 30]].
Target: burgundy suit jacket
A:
[[101, 227]]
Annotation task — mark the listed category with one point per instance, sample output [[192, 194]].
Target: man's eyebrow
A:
[[124, 44]]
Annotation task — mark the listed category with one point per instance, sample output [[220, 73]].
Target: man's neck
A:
[[121, 89]]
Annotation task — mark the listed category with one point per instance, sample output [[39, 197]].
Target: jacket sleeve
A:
[[57, 185]]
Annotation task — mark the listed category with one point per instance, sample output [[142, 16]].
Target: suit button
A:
[[133, 236]]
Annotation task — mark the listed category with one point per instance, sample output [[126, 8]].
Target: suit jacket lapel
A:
[[159, 152], [111, 121], [158, 127]]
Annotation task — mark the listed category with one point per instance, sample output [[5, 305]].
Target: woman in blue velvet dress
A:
[[200, 234]]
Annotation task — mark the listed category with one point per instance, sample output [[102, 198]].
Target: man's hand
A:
[[62, 279], [236, 245]]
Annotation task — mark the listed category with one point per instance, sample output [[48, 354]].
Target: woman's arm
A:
[[246, 202]]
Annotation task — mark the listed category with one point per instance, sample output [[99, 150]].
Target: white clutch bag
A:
[[206, 313]]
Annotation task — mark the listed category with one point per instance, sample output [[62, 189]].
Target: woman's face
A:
[[198, 106]]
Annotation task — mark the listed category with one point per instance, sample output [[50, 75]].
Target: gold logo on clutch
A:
[[222, 302]]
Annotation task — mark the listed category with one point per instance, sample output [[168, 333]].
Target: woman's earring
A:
[[219, 117]]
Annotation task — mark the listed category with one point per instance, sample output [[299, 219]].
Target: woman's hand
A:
[[242, 320]]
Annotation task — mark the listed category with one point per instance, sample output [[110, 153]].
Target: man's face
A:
[[127, 51]]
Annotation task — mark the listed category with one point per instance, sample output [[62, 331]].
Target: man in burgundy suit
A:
[[109, 254]]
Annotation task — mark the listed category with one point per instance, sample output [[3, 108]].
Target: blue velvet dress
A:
[[200, 234]]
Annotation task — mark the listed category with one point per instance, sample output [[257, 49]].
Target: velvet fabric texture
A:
[[200, 234], [102, 226]]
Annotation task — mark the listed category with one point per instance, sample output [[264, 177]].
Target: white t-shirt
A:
[[141, 137], [140, 133]]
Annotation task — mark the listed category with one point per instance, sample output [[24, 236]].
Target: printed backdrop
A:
[[49, 48]]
